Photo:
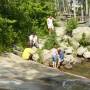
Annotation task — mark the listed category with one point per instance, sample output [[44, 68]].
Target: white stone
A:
[[34, 49], [60, 31], [81, 50], [69, 50], [77, 33], [68, 66], [35, 57], [46, 55], [69, 59], [87, 54], [75, 44]]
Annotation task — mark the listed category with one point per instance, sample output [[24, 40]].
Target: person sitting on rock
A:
[[60, 57], [27, 53], [33, 40]]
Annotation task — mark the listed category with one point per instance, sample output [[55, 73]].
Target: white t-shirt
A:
[[33, 38], [54, 52], [50, 23]]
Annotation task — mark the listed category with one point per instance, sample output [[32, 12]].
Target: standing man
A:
[[50, 24]]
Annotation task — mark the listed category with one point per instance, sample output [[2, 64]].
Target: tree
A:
[[29, 15]]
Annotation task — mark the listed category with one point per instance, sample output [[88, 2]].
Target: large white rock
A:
[[68, 66], [46, 56], [77, 33], [63, 45], [60, 31], [35, 57], [81, 50], [69, 50], [66, 38], [87, 54], [75, 44], [34, 49], [69, 59]]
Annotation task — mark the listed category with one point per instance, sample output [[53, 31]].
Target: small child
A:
[[60, 57], [54, 57]]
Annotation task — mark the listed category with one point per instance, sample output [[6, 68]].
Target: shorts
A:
[[54, 58], [50, 27]]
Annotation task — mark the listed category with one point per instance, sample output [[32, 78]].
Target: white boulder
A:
[[69, 59], [60, 31], [46, 56], [81, 50], [68, 66], [78, 32], [35, 57], [86, 55], [69, 50]]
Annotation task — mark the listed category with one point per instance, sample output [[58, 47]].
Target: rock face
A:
[[60, 31], [75, 44], [69, 59], [69, 50], [35, 57], [81, 51], [78, 32], [87, 55], [46, 56], [68, 66]]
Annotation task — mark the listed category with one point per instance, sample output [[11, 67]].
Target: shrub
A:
[[71, 24], [83, 40], [51, 41]]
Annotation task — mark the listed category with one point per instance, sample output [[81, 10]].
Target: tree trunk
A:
[[86, 7], [82, 14]]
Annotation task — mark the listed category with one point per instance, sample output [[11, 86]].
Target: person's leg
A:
[[36, 45], [49, 30], [58, 65], [30, 57], [55, 64], [61, 63]]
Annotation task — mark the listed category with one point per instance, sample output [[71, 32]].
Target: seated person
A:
[[33, 40], [27, 53]]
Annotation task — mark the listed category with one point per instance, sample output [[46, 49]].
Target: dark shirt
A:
[[61, 55]]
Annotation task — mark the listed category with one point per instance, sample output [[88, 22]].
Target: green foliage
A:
[[7, 34], [40, 56], [83, 40], [19, 18], [51, 41], [71, 24]]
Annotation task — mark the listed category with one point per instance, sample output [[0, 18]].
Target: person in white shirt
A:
[[54, 57], [50, 24], [33, 40]]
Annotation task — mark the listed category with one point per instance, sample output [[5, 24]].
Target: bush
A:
[[83, 40], [19, 18], [7, 34], [51, 41], [71, 24]]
